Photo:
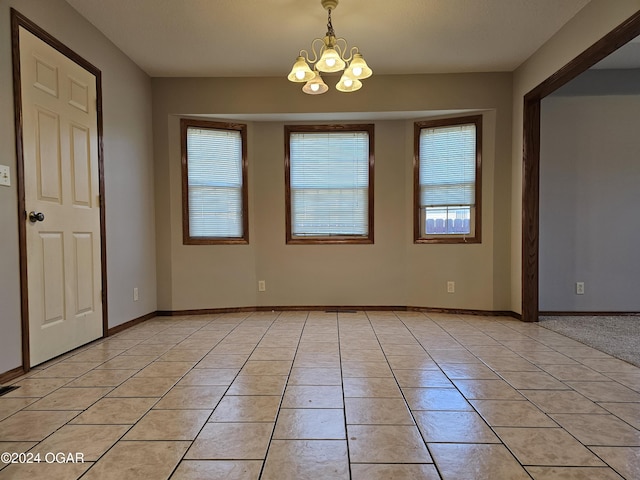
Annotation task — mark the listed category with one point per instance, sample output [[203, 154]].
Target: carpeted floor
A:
[[616, 335]]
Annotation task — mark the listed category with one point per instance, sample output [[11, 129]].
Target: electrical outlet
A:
[[5, 175], [451, 287], [579, 288], [135, 294], [262, 286]]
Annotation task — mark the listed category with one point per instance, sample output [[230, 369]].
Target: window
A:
[[214, 183], [447, 180], [329, 183]]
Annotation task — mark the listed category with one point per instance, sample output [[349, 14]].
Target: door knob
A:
[[36, 217]]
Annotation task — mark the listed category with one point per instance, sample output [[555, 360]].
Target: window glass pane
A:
[[214, 178], [447, 220], [329, 182]]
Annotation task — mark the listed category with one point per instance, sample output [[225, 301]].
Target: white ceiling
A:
[[263, 37]]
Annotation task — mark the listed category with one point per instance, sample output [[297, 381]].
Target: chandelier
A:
[[333, 55]]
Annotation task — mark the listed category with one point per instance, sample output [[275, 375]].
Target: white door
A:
[[60, 152]]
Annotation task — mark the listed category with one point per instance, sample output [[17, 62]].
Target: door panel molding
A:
[[18, 20]]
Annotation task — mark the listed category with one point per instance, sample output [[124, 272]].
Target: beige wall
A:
[[393, 271], [128, 163], [592, 23]]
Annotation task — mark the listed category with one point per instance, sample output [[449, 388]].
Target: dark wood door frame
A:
[[619, 36], [18, 20]]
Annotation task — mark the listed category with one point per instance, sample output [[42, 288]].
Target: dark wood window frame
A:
[[326, 240], [477, 215], [187, 239]]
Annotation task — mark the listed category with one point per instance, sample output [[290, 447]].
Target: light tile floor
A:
[[317, 395]]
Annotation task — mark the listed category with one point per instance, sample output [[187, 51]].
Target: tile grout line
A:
[[284, 389], [464, 396], [572, 389], [344, 400], [221, 397], [159, 399], [80, 412], [511, 452], [433, 460], [545, 413], [150, 408]]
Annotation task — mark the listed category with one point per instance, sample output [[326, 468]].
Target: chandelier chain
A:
[[330, 31]]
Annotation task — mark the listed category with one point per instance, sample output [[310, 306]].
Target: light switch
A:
[[5, 175]]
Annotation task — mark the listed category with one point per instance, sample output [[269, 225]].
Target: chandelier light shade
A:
[[300, 71], [330, 61], [316, 85], [333, 55], [348, 84], [358, 68]]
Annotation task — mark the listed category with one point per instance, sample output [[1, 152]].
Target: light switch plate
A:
[[5, 175]]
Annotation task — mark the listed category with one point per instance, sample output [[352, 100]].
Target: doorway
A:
[[531, 155], [60, 195]]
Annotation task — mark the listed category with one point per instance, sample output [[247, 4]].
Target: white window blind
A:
[[448, 166], [329, 183], [214, 177]]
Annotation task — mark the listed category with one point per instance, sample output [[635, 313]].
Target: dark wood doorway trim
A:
[[18, 20], [621, 35]]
